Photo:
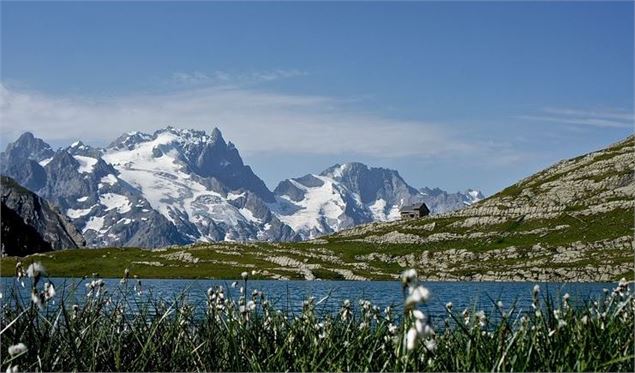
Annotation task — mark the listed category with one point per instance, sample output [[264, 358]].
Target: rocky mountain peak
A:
[[27, 146], [371, 183], [477, 195], [217, 135], [129, 140]]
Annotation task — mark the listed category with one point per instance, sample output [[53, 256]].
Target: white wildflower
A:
[[49, 290], [36, 298], [417, 295], [419, 327], [13, 369], [482, 319], [35, 270], [411, 339], [418, 315], [19, 270], [408, 277], [430, 344], [388, 313], [499, 304], [18, 349], [244, 275], [536, 290], [584, 319], [234, 284], [448, 306], [428, 330]]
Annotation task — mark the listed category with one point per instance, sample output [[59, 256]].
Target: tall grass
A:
[[117, 330]]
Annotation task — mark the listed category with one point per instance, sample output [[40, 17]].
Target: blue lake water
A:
[[289, 295]]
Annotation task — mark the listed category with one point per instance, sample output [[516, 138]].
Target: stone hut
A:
[[417, 210]]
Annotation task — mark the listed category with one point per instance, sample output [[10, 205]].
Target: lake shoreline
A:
[[278, 262], [429, 280]]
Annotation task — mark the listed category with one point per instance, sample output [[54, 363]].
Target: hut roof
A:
[[414, 207]]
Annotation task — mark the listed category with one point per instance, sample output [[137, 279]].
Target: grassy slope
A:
[[578, 238]]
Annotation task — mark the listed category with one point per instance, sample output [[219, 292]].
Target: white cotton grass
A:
[[126, 276], [416, 294], [418, 315], [408, 340], [411, 339], [408, 277], [249, 307], [17, 349], [430, 344], [37, 298], [35, 271], [481, 318], [346, 312], [49, 291]]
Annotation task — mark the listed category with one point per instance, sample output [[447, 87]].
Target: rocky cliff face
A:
[[30, 225]]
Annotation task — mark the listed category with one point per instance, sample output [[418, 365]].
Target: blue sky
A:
[[454, 95]]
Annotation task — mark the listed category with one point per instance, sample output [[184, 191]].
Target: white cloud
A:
[[257, 121], [225, 78], [586, 118]]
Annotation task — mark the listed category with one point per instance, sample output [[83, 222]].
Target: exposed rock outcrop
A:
[[31, 225]]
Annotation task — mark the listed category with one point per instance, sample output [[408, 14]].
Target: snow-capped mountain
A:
[[171, 187], [180, 186], [440, 201], [340, 197], [199, 183], [349, 194]]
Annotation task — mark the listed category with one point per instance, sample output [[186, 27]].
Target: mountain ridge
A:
[[178, 186], [570, 222], [30, 225]]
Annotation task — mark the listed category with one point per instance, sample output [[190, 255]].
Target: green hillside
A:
[[570, 222]]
